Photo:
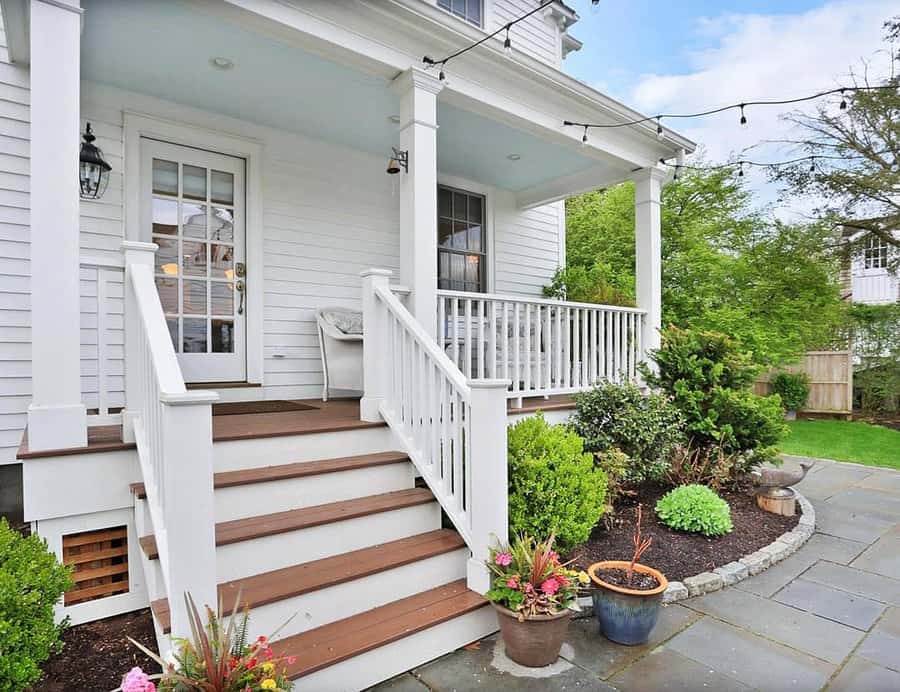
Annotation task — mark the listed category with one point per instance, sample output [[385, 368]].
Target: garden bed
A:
[[677, 554], [97, 654]]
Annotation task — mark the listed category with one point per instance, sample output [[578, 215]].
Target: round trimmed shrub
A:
[[695, 508], [554, 484], [792, 388]]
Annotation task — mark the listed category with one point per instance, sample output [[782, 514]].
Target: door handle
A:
[[240, 288]]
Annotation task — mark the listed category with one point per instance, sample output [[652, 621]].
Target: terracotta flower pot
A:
[[536, 641], [626, 616]]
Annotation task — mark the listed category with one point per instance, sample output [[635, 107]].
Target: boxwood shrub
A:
[[554, 484], [792, 388], [31, 582], [695, 508]]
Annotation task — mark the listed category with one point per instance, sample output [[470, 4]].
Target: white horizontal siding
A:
[[15, 299], [536, 35], [527, 248]]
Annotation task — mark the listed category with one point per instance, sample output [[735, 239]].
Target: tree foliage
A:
[[726, 266]]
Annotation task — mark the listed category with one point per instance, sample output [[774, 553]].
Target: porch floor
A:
[[323, 416]]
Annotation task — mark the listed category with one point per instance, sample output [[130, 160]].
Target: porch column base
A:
[[370, 409], [61, 426]]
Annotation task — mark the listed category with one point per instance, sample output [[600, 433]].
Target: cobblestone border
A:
[[754, 563]]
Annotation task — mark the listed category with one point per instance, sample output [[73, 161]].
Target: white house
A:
[[248, 142], [868, 278]]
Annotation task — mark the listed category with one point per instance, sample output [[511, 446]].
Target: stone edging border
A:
[[754, 563]]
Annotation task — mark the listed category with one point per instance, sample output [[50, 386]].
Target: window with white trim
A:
[[461, 241], [469, 10], [875, 253]]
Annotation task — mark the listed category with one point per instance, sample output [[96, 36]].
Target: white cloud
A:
[[756, 56]]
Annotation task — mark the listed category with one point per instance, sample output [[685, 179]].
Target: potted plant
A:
[[793, 390], [627, 595], [534, 596]]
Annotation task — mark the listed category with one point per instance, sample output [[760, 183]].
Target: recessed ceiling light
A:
[[514, 157], [222, 63], [394, 119]]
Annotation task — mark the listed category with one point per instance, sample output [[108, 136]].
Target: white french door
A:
[[193, 208]]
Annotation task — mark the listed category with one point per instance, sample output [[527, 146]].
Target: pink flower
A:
[[512, 583], [562, 579], [136, 680], [503, 559], [550, 587]]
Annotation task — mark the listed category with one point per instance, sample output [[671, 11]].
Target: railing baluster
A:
[[516, 339], [467, 369], [492, 340], [557, 312], [504, 340]]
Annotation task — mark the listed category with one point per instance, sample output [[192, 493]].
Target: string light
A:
[[430, 62], [584, 139], [734, 106], [741, 163], [741, 170], [659, 130]]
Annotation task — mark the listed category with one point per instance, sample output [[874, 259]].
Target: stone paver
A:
[[828, 616]]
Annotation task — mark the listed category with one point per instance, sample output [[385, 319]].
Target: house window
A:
[[461, 241], [875, 253], [470, 10]]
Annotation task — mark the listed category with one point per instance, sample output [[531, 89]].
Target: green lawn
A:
[[873, 445]]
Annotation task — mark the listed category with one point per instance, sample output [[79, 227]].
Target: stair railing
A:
[[453, 430], [172, 429]]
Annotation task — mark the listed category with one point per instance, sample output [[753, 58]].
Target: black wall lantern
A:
[[94, 171]]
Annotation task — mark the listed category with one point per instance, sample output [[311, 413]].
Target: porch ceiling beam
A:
[[16, 15], [595, 178]]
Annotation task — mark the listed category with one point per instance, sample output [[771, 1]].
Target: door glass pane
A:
[[165, 216], [444, 202], [193, 220], [475, 210], [194, 184], [194, 340], [165, 177], [168, 293], [222, 225], [172, 324], [194, 297], [194, 258], [221, 296], [222, 336], [460, 231], [472, 265], [222, 261], [457, 272], [475, 238], [460, 205], [167, 256], [222, 187], [445, 232]]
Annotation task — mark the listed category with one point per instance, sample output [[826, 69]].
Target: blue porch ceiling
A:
[[164, 48]]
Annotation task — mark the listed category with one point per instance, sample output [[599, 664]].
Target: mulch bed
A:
[[677, 554], [97, 654]]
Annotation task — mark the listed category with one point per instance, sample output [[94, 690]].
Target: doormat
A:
[[233, 408]]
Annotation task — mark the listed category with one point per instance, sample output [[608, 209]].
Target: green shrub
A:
[[695, 508], [792, 388], [553, 483], [618, 416], [707, 377], [31, 582], [587, 285]]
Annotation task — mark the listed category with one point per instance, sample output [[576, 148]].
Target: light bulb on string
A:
[[740, 169], [595, 6], [441, 75], [659, 128], [584, 139], [812, 165], [677, 168], [843, 105], [743, 117], [507, 44]]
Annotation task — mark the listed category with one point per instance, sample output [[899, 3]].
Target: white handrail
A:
[[544, 347], [172, 429], [453, 430]]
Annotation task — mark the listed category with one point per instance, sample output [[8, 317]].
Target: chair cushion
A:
[[347, 321]]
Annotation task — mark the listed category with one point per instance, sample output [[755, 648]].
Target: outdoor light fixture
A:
[[93, 171], [399, 159]]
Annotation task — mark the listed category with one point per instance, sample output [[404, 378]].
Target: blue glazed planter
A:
[[626, 616]]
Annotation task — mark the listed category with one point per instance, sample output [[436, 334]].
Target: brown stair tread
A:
[[335, 642], [288, 582], [306, 517], [299, 469]]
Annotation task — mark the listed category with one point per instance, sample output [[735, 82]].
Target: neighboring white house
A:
[[248, 142], [868, 278]]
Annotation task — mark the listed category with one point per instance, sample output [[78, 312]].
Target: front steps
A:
[[343, 556]]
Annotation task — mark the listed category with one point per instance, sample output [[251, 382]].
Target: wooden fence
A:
[[830, 381]]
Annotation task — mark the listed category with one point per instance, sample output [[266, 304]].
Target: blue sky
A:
[[688, 55]]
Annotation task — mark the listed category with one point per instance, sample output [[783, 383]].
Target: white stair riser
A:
[[238, 502], [554, 417], [246, 558], [345, 599], [267, 451], [385, 662]]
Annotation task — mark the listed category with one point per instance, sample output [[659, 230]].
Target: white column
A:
[[488, 486], [418, 192], [648, 251], [56, 417], [375, 345]]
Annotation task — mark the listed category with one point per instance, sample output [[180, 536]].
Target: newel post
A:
[[375, 352], [190, 516], [487, 483], [134, 253]]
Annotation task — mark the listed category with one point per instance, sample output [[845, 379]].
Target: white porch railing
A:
[[172, 429], [453, 430], [543, 347]]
